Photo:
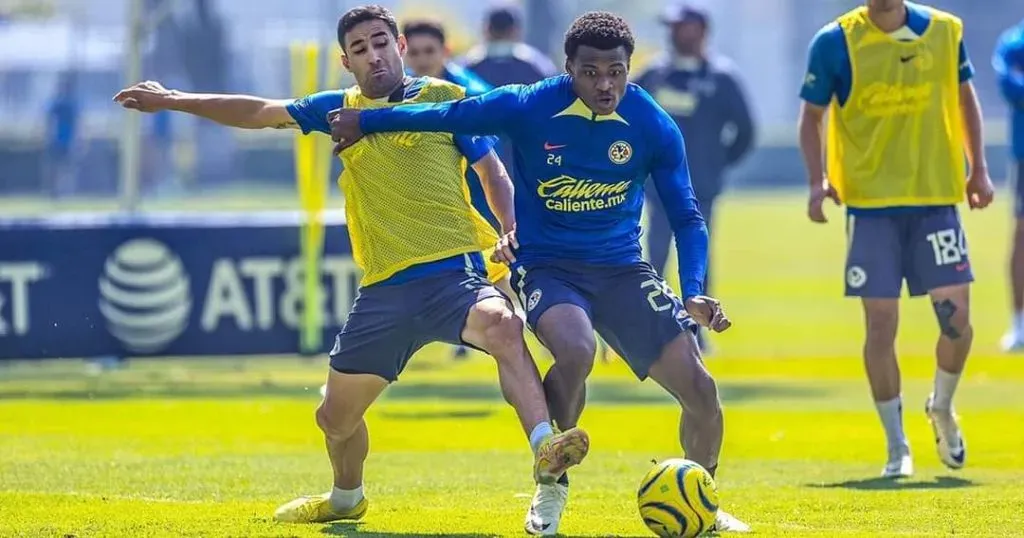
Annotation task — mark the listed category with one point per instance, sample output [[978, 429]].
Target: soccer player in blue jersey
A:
[[895, 79], [1008, 62], [586, 142]]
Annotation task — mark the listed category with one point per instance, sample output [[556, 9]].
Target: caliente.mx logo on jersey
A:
[[572, 195]]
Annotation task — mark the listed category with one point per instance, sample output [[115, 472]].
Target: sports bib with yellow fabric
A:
[[406, 197], [898, 140]]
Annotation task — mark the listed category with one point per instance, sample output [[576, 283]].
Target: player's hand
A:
[[148, 96], [819, 192], [504, 252], [345, 129], [980, 191], [708, 312]]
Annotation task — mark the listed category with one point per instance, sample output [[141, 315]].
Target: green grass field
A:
[[210, 447]]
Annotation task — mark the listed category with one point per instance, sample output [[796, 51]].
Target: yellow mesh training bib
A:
[[406, 197], [899, 138]]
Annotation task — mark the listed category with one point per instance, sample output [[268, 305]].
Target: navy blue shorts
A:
[[1017, 180], [389, 323], [630, 306], [926, 247]]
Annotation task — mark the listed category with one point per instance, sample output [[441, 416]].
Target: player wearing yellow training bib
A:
[[894, 80], [416, 236]]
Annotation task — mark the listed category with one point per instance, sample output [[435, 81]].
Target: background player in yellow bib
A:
[[895, 80], [417, 238]]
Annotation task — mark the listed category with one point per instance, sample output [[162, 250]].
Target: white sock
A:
[[891, 413], [345, 499], [540, 432], [945, 387], [1018, 323]]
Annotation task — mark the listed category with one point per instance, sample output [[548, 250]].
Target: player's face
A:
[[426, 55], [688, 38], [599, 77], [374, 57], [885, 5]]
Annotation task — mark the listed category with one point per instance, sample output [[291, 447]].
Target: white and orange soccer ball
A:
[[678, 499]]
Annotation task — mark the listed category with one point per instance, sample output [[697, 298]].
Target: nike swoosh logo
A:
[[906, 59], [548, 146]]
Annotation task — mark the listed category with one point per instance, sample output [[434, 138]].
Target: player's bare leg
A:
[[680, 370], [881, 321], [1014, 339], [494, 327], [952, 309], [506, 287], [566, 331], [340, 417]]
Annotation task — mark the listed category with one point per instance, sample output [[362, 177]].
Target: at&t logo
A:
[[145, 296]]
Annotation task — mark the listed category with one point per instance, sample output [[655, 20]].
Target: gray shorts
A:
[[388, 323], [925, 246], [630, 306]]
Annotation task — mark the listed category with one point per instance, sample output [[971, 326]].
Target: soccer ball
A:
[[678, 499]]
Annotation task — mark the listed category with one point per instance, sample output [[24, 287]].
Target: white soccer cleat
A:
[[948, 439], [900, 465], [727, 523], [546, 509], [1012, 342]]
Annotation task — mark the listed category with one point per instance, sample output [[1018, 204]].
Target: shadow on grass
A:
[[352, 530], [891, 484], [436, 415], [603, 392]]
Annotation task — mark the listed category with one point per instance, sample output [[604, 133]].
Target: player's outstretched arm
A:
[[242, 111], [488, 114]]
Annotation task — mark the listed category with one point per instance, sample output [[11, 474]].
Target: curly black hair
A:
[[357, 15], [601, 30]]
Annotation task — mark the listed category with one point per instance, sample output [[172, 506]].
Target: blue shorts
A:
[[388, 323], [1017, 180], [924, 246], [630, 306]]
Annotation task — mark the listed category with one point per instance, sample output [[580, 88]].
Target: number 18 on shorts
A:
[[926, 247]]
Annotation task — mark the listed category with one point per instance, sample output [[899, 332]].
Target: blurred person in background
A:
[[895, 78], [704, 97], [428, 55], [504, 59], [62, 137], [1009, 65]]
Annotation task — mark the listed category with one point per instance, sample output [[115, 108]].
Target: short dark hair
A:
[[601, 30], [424, 27], [361, 14], [503, 19]]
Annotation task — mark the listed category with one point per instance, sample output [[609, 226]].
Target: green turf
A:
[[210, 447]]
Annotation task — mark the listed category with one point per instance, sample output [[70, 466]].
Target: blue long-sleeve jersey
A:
[[579, 177], [1009, 65]]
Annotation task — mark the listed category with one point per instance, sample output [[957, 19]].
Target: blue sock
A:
[[540, 432]]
